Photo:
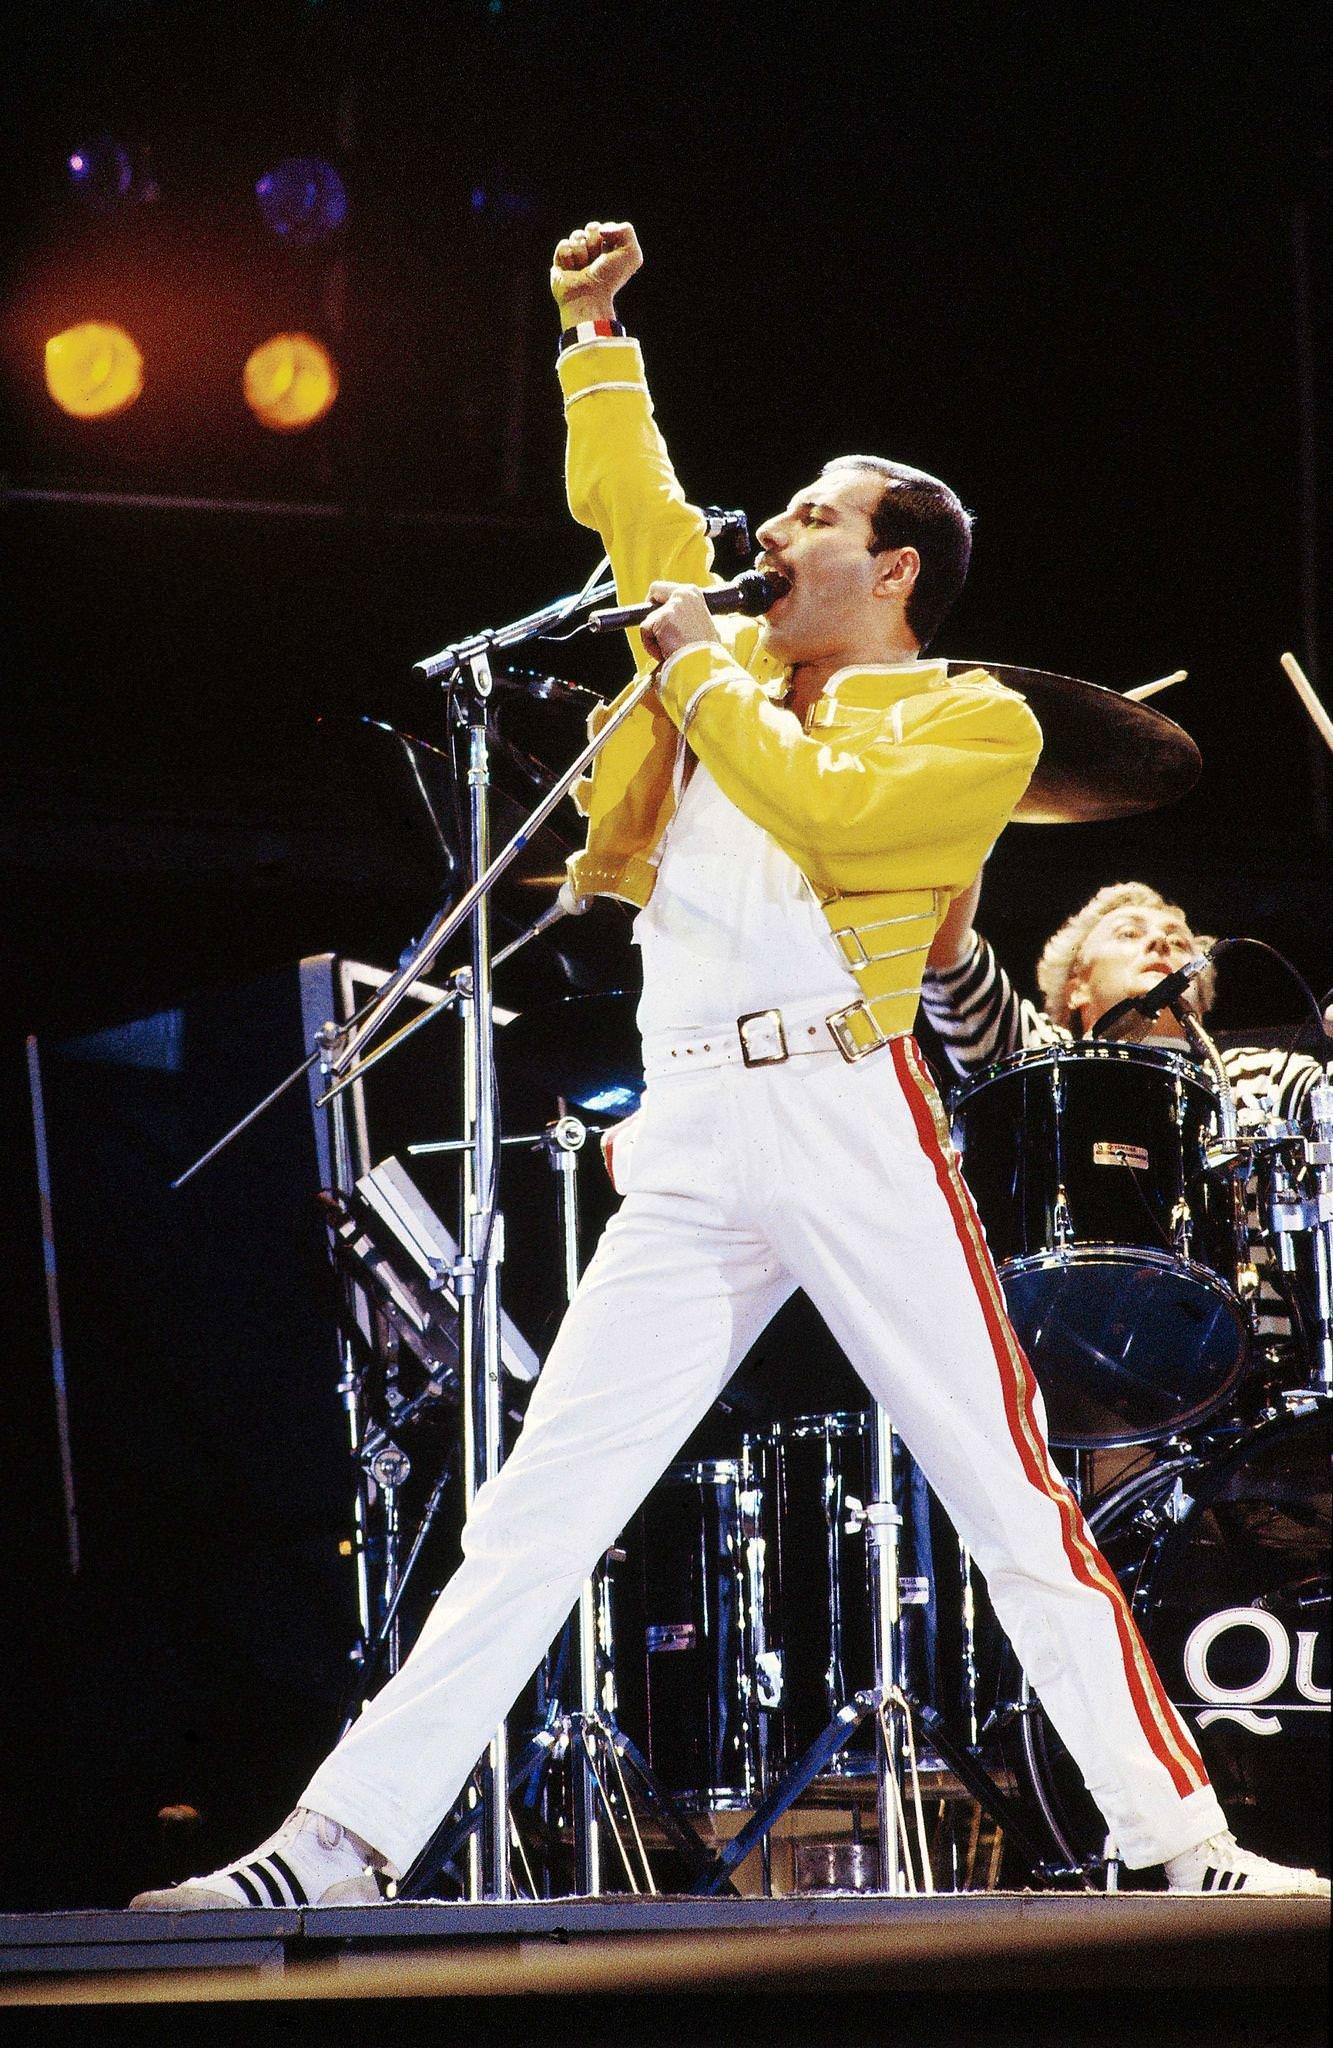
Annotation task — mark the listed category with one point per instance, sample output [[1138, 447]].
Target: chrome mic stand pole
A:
[[481, 1253]]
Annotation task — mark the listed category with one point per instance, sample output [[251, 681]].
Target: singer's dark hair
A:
[[916, 510]]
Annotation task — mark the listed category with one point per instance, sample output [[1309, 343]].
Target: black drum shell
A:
[[1115, 1247], [813, 1614], [742, 1613], [681, 1604]]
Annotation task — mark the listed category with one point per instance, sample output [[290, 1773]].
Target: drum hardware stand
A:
[[971, 1676], [386, 1639], [1319, 1158], [883, 1526], [1317, 1215], [1228, 1152], [599, 1741], [894, 1707]]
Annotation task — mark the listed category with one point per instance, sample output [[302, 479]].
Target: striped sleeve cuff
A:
[[951, 981], [976, 1013], [590, 330]]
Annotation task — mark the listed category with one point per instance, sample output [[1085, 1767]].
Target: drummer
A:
[[1117, 947]]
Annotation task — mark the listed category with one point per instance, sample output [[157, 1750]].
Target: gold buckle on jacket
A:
[[854, 954], [762, 1059], [840, 1026]]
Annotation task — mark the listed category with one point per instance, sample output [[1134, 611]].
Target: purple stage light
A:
[[500, 205], [101, 173], [303, 200]]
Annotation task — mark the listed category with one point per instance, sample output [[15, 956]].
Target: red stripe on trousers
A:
[[1011, 1364]]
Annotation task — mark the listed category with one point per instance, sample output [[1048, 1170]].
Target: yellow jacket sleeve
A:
[[619, 478], [949, 782]]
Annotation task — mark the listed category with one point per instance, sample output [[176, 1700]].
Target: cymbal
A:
[[1104, 756]]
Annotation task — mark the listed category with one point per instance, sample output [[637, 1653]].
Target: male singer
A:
[[791, 812]]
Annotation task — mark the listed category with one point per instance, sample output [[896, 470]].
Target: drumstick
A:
[[1305, 691], [1136, 696]]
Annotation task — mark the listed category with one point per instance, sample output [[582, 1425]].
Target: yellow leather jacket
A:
[[888, 801]]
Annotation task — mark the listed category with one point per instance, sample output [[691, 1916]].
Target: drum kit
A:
[[755, 1640]]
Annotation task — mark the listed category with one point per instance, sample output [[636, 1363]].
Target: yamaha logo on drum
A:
[[1288, 1669]]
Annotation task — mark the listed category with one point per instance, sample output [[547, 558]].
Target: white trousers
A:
[[745, 1183]]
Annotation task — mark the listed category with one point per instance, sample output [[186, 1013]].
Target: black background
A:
[[1074, 261]]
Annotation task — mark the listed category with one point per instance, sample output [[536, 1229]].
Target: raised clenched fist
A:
[[591, 265]]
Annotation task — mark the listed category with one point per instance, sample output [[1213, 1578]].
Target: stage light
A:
[[101, 172], [303, 200], [104, 174], [290, 382], [93, 370], [502, 205]]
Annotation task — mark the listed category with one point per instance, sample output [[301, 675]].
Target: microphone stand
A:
[[467, 668]]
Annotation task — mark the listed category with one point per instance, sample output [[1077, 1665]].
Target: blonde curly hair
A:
[[1062, 956]]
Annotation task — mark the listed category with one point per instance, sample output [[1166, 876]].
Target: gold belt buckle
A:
[[841, 1032], [773, 1018]]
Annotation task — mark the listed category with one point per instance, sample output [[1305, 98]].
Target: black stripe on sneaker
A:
[[290, 1878], [251, 1890], [269, 1882], [1238, 1882]]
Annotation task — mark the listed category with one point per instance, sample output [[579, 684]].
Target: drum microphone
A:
[[751, 593], [1151, 1005]]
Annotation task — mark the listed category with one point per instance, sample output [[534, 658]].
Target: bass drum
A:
[[1225, 1560]]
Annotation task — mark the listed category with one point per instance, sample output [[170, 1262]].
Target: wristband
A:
[[590, 330]]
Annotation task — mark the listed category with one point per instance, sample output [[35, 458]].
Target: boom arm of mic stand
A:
[[414, 1024], [439, 667], [445, 1002], [450, 921]]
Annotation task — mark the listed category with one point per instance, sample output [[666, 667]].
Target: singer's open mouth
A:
[[781, 575]]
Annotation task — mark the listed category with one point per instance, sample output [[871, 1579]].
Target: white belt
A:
[[762, 1038]]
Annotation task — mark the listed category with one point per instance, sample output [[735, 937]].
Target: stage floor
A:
[[1269, 1953]]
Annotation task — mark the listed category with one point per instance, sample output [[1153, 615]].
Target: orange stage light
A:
[[93, 370], [290, 382]]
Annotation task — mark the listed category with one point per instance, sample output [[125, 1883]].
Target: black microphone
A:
[[751, 593], [1160, 997]]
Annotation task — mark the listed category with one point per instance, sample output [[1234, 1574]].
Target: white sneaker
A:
[[310, 1861], [1221, 1865]]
